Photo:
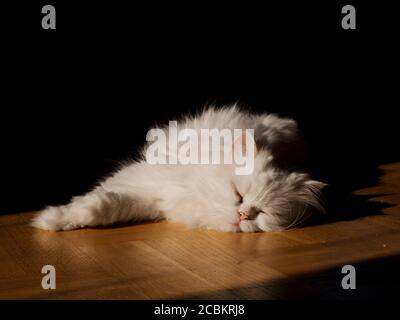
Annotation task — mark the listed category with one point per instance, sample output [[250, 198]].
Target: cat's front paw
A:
[[248, 226], [228, 228]]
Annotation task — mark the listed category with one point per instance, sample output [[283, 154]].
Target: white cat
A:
[[274, 196]]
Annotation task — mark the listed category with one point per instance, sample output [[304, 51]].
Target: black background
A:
[[77, 100]]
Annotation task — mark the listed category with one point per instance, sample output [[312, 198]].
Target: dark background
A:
[[77, 100]]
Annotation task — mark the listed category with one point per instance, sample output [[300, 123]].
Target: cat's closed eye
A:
[[240, 197]]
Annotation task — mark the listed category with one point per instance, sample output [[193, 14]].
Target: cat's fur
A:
[[275, 196]]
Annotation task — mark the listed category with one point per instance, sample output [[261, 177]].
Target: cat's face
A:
[[270, 199]]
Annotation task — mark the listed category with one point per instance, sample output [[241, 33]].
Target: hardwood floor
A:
[[165, 260]]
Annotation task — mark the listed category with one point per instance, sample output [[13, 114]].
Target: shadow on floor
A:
[[342, 205], [339, 196], [375, 279]]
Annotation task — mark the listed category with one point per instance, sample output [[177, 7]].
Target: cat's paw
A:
[[248, 226], [224, 227], [50, 218]]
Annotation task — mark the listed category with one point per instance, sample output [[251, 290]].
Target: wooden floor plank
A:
[[165, 260]]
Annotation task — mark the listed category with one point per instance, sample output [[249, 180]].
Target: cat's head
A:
[[274, 198]]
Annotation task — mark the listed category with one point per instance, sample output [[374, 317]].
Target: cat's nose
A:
[[243, 215], [247, 213]]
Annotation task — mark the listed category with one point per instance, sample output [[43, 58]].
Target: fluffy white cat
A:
[[274, 196]]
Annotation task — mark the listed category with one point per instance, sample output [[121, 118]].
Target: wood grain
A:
[[164, 260]]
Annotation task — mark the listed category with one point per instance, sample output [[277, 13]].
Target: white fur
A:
[[209, 196]]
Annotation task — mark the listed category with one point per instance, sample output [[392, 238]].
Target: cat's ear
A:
[[244, 142], [315, 185]]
